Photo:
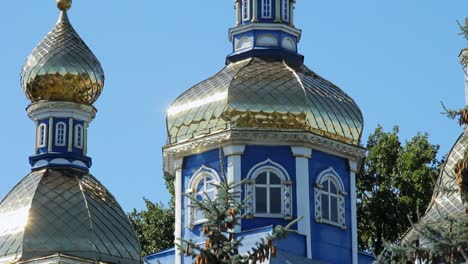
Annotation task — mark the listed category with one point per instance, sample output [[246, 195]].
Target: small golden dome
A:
[[62, 67]]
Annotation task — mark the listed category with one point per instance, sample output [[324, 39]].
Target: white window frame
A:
[[269, 172], [60, 134], [330, 175], [79, 137], [286, 9], [286, 190], [42, 135], [246, 10], [197, 177], [267, 9]]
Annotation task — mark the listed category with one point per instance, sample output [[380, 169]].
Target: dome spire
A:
[[62, 78], [64, 5]]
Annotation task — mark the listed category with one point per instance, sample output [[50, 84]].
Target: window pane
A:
[[325, 208], [274, 179], [275, 200], [261, 178], [333, 188], [200, 197], [260, 200], [201, 186], [326, 185], [334, 209]]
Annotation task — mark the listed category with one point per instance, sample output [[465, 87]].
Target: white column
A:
[[178, 207], [278, 11], [51, 133], [303, 186], [234, 159], [238, 12], [353, 167]]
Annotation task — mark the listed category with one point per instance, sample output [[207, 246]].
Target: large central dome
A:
[[265, 94]]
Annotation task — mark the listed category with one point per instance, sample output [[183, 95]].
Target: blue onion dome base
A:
[[62, 68], [68, 212], [265, 93]]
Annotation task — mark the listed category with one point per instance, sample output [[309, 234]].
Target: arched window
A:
[[266, 8], [330, 199], [41, 135], [245, 10], [60, 132], [285, 9], [79, 136], [270, 189], [267, 194], [201, 187]]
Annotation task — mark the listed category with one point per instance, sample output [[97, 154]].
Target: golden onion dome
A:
[[265, 94], [62, 67]]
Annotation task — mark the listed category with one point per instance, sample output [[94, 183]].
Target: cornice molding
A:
[[61, 109], [265, 138], [265, 26]]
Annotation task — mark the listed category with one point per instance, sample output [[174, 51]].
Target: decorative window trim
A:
[[267, 9], [79, 136], [60, 137], [267, 40], [245, 10], [198, 176], [330, 174], [42, 135], [285, 6], [286, 189]]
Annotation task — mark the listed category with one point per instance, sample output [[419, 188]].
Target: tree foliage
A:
[[154, 227], [395, 182], [464, 29], [221, 242]]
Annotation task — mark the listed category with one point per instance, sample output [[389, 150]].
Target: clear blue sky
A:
[[398, 59]]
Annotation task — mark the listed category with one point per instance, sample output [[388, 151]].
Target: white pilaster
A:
[[303, 186], [178, 207], [238, 13], [278, 11], [291, 12], [255, 11], [234, 159], [70, 134], [50, 134], [353, 167], [85, 138]]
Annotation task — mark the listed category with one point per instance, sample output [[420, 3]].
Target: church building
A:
[[60, 213], [269, 120]]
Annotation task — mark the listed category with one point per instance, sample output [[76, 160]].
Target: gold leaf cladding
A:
[[265, 95], [62, 68]]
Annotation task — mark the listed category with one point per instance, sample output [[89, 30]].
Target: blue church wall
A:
[[334, 244], [191, 165], [279, 154]]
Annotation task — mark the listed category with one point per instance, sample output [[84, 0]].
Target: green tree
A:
[[154, 227], [395, 181]]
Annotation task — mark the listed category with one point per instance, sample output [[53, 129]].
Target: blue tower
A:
[[268, 119]]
